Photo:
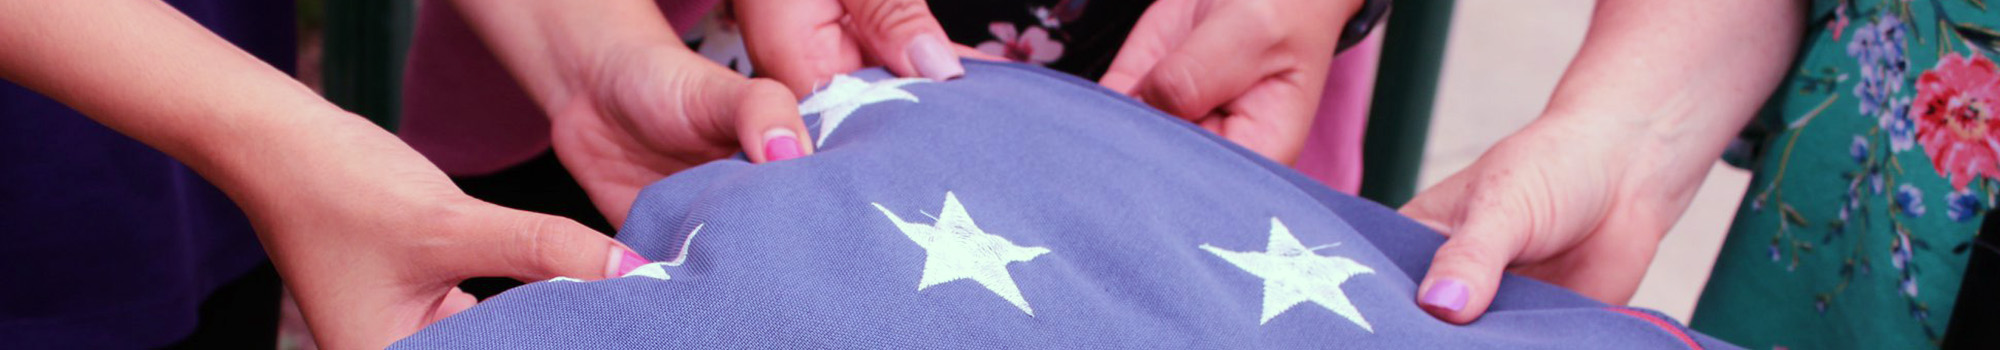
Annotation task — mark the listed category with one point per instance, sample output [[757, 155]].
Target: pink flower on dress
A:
[[1956, 120], [1839, 21], [1032, 45]]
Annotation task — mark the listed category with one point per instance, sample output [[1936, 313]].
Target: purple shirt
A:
[[109, 243]]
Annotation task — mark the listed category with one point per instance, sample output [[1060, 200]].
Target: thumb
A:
[[903, 36], [1465, 273], [766, 119], [1217, 62], [761, 114], [531, 247], [1159, 29]]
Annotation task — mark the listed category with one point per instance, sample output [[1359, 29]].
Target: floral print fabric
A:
[[1876, 161]]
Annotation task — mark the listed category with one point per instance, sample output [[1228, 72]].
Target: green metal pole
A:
[[365, 45], [1405, 86]]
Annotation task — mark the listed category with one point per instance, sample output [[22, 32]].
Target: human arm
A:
[[370, 237], [1582, 196]]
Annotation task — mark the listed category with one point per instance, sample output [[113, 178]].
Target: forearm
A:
[[145, 70], [554, 47], [1685, 75]]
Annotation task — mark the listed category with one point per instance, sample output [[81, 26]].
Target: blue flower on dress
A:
[[1878, 48], [1910, 199], [1899, 251], [1875, 181], [1910, 285], [1859, 150], [1895, 120], [1963, 205]]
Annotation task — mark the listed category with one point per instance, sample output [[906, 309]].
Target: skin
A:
[[803, 43], [1249, 70], [371, 237], [1582, 196], [627, 101]]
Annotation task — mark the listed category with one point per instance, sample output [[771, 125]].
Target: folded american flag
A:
[[1020, 208]]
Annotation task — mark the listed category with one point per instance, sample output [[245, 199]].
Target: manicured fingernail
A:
[[933, 57], [623, 261], [780, 144], [1445, 293]]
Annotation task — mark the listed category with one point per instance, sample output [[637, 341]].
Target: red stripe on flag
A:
[[1662, 323]]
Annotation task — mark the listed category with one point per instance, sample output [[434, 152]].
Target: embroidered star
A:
[[1293, 275], [846, 94], [957, 249], [658, 269], [655, 270]]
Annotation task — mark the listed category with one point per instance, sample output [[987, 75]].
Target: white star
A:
[[655, 270], [658, 269], [1293, 274], [957, 249], [845, 94]]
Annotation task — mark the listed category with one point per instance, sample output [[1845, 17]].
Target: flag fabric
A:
[[1017, 207]]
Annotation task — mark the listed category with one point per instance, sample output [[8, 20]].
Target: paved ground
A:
[[1501, 64]]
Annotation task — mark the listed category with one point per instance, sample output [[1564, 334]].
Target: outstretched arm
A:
[[370, 236]]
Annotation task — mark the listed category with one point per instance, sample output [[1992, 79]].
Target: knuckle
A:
[[1472, 251], [883, 17], [1173, 87], [1268, 21], [541, 241]]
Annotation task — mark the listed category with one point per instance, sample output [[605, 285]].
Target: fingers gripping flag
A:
[[1019, 208]]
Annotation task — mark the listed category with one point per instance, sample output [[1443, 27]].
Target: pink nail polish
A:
[[933, 58], [627, 261], [781, 147], [1447, 294]]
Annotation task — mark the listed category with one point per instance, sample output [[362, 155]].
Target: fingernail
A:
[[1445, 293], [933, 57], [780, 144], [623, 261]]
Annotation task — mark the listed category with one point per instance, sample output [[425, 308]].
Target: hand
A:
[[374, 239], [370, 235], [1578, 203], [805, 42], [654, 111], [1249, 70], [628, 103]]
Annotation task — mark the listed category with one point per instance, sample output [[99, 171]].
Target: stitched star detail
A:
[[1293, 275], [956, 249], [846, 94]]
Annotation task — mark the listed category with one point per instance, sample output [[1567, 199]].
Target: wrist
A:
[[279, 160], [1614, 145]]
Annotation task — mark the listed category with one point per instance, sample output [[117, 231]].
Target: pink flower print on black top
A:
[[1032, 45]]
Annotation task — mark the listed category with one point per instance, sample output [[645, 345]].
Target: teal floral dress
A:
[[1875, 162]]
